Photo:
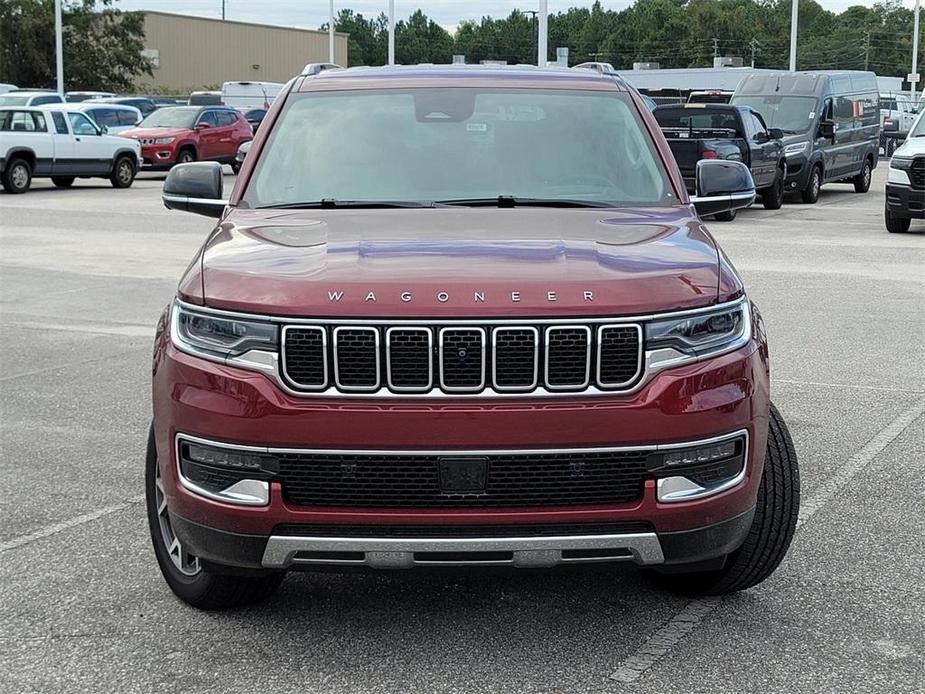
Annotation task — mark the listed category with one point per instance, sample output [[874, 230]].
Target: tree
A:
[[102, 45]]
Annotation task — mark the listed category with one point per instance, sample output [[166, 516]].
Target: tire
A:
[[889, 147], [187, 579], [773, 197], [810, 193], [123, 173], [186, 155], [894, 224], [771, 531], [63, 181], [727, 216], [17, 177], [862, 180]]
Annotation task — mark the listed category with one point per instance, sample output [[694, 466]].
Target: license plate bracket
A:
[[463, 475]]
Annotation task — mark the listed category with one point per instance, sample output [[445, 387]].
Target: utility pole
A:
[[59, 48], [866, 50], [391, 32], [794, 18], [715, 47], [915, 47], [535, 41], [755, 48], [331, 32], [542, 36], [223, 10]]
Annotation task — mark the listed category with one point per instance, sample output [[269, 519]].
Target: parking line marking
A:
[[851, 386], [64, 525], [661, 643]]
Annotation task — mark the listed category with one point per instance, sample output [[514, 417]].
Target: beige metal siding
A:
[[195, 53]]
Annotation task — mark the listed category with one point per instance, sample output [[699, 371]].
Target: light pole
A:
[[915, 46], [331, 32], [391, 32], [59, 48], [542, 35], [794, 17], [533, 43]]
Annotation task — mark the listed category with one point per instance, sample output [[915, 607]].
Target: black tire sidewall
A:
[[8, 183], [114, 178], [773, 198], [813, 186]]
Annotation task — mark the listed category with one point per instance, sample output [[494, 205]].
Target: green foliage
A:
[[102, 45], [674, 33]]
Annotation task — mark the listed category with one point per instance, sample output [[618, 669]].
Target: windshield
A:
[[792, 114], [11, 100], [445, 144], [175, 117], [918, 130]]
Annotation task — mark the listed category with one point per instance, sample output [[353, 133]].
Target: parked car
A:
[[77, 97], [830, 120], [60, 142], [146, 105], [905, 187], [205, 99], [552, 359], [6, 87], [181, 134], [712, 96], [723, 131], [250, 95], [116, 118], [24, 98], [254, 117], [897, 114]]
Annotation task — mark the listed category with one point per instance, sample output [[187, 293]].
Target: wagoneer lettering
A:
[[515, 339]]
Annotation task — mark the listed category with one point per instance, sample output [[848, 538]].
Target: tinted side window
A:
[[104, 116], [208, 117], [757, 125], [126, 117], [226, 118], [60, 123], [51, 99]]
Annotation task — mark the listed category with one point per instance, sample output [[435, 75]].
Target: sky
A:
[[313, 13]]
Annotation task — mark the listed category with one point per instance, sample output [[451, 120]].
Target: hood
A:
[[459, 262], [139, 133], [912, 146]]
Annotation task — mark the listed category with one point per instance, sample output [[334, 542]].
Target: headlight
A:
[[703, 333], [164, 140], [220, 336], [795, 148], [901, 163]]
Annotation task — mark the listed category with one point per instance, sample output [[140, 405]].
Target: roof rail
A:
[[603, 68], [315, 68]]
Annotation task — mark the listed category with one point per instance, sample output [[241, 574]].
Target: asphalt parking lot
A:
[[84, 274]]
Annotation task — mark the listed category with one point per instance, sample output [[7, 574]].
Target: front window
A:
[[81, 125], [455, 144], [792, 114], [918, 130], [174, 117]]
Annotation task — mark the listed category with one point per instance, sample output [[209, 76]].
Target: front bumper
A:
[[904, 201], [216, 402], [158, 157], [798, 169]]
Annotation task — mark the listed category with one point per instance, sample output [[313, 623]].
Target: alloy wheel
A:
[[185, 562], [19, 176], [124, 172]]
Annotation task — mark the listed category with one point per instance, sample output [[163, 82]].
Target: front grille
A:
[[462, 360], [462, 531], [917, 173], [414, 481]]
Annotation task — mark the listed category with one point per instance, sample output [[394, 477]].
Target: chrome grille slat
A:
[[504, 359]]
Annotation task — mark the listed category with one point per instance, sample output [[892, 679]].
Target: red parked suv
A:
[[463, 316], [182, 134]]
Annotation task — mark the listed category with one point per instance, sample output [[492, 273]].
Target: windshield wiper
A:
[[512, 201], [333, 204]]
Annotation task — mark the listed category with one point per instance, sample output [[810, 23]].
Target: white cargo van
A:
[[247, 95]]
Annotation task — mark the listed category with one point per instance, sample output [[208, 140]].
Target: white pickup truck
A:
[[57, 141]]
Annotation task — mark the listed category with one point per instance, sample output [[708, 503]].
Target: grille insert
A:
[[917, 173], [413, 481], [356, 358], [504, 359]]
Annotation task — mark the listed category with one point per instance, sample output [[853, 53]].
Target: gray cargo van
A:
[[830, 120]]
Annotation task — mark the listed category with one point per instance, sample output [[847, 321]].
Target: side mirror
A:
[[202, 126], [722, 185], [195, 187], [137, 122], [827, 129], [775, 133], [104, 129], [243, 149]]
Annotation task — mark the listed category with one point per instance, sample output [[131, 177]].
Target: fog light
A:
[[223, 458], [234, 476]]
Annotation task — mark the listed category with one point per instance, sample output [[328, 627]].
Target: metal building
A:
[[196, 52]]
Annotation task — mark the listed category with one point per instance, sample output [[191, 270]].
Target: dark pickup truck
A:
[[722, 131]]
